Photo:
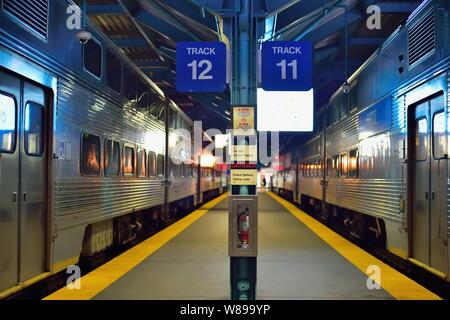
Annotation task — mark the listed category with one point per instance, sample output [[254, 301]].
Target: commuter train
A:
[[377, 169], [87, 147]]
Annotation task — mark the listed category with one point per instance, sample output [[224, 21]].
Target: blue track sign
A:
[[287, 66], [201, 66]]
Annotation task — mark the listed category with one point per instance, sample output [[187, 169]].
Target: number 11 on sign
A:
[[283, 65]]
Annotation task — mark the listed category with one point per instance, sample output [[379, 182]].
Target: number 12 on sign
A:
[[205, 74]]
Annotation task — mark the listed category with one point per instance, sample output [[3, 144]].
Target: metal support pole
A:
[[243, 93]]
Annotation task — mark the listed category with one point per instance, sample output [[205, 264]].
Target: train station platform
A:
[[299, 258]]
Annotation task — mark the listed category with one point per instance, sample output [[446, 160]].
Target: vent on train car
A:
[[32, 15], [422, 39]]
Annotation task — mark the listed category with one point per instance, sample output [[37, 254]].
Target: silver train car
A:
[[85, 147], [378, 169]]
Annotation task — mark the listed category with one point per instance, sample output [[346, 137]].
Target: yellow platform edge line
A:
[[99, 279], [395, 283]]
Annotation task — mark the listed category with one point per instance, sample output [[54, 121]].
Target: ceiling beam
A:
[[102, 9], [397, 7]]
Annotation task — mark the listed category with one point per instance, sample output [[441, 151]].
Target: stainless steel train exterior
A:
[[84, 146], [378, 169]]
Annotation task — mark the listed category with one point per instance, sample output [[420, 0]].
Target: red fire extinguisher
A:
[[243, 227]]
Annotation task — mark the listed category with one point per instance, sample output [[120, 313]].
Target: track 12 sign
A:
[[201, 66], [287, 66]]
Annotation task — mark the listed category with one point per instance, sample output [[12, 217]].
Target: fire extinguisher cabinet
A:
[[243, 226]]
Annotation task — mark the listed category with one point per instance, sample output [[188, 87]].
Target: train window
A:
[[7, 124], [151, 164], [142, 163], [421, 139], [90, 154], [343, 165], [353, 164], [160, 165], [128, 161], [92, 58], [329, 163], [439, 136], [319, 168], [193, 171], [113, 71], [112, 158], [34, 130], [336, 166]]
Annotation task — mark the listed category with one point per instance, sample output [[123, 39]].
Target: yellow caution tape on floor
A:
[[395, 283], [99, 279]]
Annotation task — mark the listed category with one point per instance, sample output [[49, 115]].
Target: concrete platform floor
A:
[[293, 263]]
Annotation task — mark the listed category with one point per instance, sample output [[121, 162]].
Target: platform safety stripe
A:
[[395, 283], [99, 279]]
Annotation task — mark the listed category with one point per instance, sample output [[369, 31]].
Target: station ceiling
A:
[[147, 32]]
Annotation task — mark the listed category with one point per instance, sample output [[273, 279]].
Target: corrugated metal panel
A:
[[84, 200], [377, 197], [30, 14], [422, 38], [79, 106]]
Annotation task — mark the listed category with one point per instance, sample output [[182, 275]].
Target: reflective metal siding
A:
[[88, 109], [311, 187], [289, 181], [377, 197], [83, 201], [342, 135], [181, 188]]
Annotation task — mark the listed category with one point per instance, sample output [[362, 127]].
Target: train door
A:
[[23, 180], [429, 183]]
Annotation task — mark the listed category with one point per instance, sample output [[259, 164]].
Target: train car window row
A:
[[181, 170], [311, 170], [92, 58], [148, 164], [8, 123], [343, 166]]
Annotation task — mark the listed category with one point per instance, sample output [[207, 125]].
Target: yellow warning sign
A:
[[241, 177], [243, 120]]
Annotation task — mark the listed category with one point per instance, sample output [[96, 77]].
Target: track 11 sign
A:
[[201, 66], [286, 66]]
